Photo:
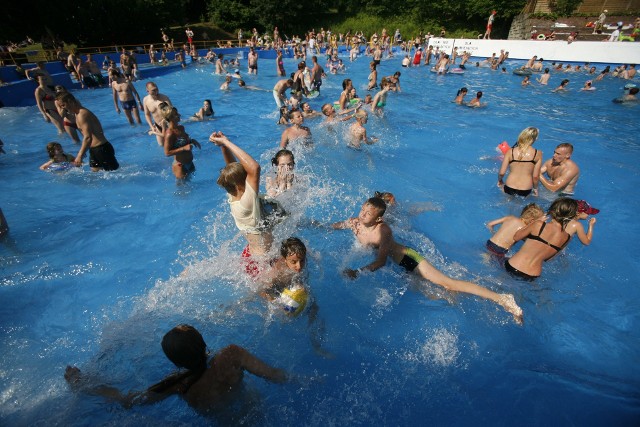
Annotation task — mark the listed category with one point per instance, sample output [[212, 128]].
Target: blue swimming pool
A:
[[91, 273]]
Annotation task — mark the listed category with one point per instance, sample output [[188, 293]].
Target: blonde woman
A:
[[524, 163]]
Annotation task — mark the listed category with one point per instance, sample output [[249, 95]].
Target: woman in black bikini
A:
[[524, 163], [545, 239], [177, 143]]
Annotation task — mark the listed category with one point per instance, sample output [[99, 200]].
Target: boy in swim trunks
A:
[[101, 153], [124, 90], [502, 240], [371, 230]]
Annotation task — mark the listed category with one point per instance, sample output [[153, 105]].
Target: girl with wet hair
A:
[[460, 96], [283, 162], [546, 239]]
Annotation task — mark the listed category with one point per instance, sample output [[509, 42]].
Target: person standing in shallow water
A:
[[45, 100], [296, 132], [152, 113], [523, 163], [563, 172], [241, 180], [102, 156], [544, 240], [177, 143], [124, 91]]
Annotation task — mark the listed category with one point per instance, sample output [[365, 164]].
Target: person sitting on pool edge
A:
[[203, 385], [371, 230], [241, 179]]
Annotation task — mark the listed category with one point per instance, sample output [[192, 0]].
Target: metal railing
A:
[[28, 56]]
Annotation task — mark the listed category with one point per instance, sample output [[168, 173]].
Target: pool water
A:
[[91, 274]]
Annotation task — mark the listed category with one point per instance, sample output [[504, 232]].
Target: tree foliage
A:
[[295, 16], [564, 7], [93, 22], [104, 22], [288, 15]]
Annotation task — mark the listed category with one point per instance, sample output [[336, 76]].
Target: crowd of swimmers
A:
[[281, 278]]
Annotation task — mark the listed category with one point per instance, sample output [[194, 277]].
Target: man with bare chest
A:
[[562, 172], [152, 112], [124, 90], [101, 152]]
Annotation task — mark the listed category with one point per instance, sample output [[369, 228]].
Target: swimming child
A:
[[284, 116], [357, 131], [283, 163], [225, 85], [475, 102], [57, 156], [203, 385], [587, 86], [525, 82], [205, 111], [286, 276], [380, 100], [370, 229], [308, 112], [296, 132], [332, 115], [563, 86], [460, 96], [502, 240]]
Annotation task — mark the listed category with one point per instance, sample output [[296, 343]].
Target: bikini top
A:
[[535, 153], [48, 97], [540, 239], [181, 141]]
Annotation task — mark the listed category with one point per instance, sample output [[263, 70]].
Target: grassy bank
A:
[[408, 26]]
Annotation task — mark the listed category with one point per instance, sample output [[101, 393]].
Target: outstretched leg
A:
[[434, 275]]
